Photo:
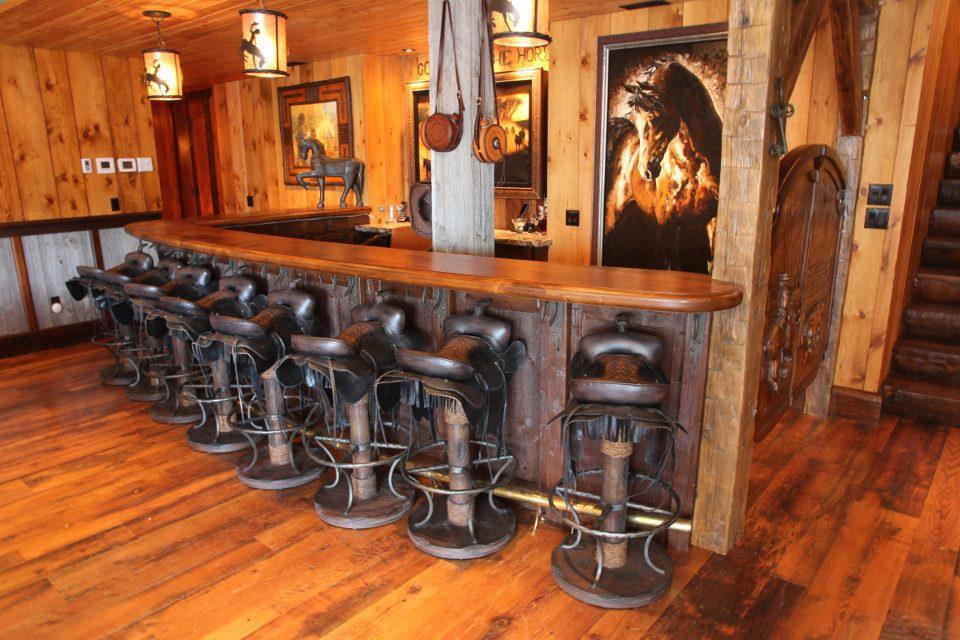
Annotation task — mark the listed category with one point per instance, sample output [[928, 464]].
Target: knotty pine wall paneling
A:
[[49, 258], [58, 107], [13, 318], [903, 31]]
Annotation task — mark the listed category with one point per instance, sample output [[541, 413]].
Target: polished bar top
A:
[[609, 286]]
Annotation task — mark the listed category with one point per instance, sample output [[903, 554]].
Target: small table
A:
[[507, 244]]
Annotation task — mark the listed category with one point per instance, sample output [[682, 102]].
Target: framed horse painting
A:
[[317, 112], [658, 141]]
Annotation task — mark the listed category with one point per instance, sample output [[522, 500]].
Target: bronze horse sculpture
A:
[[322, 168], [670, 103]]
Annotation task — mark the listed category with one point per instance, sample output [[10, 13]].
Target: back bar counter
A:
[[549, 308]]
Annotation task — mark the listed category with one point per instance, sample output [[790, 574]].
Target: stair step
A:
[[953, 165], [944, 221], [949, 192], [939, 286], [941, 251], [927, 359], [925, 400], [933, 321]]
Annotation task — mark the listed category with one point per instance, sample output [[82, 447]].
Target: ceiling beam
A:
[[803, 18], [845, 25]]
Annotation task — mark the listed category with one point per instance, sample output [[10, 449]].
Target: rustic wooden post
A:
[[748, 185], [462, 185]]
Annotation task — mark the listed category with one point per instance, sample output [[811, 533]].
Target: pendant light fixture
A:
[[264, 43], [161, 66], [520, 23]]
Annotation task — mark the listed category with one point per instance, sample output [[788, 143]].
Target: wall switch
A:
[[573, 217], [877, 218], [114, 204], [127, 165], [86, 165], [249, 201], [105, 165], [144, 165], [880, 194]]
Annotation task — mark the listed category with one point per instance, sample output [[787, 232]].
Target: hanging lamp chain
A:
[[157, 20]]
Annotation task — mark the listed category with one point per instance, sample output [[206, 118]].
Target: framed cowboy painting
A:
[[315, 111]]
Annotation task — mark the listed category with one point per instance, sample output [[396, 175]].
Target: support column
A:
[[462, 185], [748, 191]]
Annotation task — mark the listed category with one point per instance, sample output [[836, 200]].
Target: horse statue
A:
[[153, 78], [322, 168], [506, 10], [249, 47], [662, 170]]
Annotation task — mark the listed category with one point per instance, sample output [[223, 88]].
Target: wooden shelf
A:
[[669, 291]]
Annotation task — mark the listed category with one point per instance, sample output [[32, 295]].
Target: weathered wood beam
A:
[[803, 17], [462, 185], [748, 182], [845, 26]]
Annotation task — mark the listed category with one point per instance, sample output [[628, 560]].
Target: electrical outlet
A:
[[880, 194], [114, 204], [249, 201], [877, 218], [573, 217]]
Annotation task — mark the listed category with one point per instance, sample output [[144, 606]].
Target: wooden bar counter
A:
[[550, 307]]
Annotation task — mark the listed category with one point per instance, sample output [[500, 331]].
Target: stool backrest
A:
[[202, 276], [170, 265], [301, 303], [245, 288], [493, 331], [392, 318], [642, 345], [139, 261]]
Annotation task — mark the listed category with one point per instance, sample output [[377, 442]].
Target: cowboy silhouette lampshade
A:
[[519, 23], [264, 44], [162, 74]]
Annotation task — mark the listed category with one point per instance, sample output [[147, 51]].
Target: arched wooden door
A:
[[803, 264]]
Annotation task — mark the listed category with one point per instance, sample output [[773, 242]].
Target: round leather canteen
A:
[[442, 131], [489, 142]]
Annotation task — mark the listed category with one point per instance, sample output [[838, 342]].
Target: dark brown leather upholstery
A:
[[134, 264], [451, 361], [619, 367], [343, 346], [231, 288], [286, 309]]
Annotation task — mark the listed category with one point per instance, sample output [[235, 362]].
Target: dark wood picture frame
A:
[[606, 44], [334, 90], [536, 141]]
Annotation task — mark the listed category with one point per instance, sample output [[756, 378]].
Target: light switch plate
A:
[[105, 165], [127, 165], [86, 165], [144, 165]]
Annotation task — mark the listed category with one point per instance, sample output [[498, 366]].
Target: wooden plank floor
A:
[[111, 527]]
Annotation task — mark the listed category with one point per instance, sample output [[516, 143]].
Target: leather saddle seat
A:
[[191, 282], [135, 263], [365, 349], [472, 366], [619, 367], [235, 296], [287, 312], [164, 272]]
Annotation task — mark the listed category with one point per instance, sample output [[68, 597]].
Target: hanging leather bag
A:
[[489, 138], [443, 131]]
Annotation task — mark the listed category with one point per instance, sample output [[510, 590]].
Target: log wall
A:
[[57, 107]]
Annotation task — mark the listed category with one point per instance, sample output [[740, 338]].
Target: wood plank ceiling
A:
[[207, 32]]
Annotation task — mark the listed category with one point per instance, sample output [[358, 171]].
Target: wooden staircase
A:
[[924, 380]]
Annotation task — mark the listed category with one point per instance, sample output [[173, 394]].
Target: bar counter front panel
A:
[[550, 307]]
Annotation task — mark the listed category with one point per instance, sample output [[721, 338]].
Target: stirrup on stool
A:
[[257, 344], [364, 454], [466, 379], [616, 390]]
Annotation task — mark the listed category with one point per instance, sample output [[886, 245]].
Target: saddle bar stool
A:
[[190, 320], [616, 390], [362, 493], [467, 378], [99, 284], [148, 350], [191, 282], [254, 345]]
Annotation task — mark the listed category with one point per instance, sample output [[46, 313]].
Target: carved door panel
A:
[[803, 255], [783, 300]]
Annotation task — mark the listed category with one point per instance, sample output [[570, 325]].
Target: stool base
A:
[[273, 477], [633, 585], [205, 438], [118, 375], [173, 411], [381, 509], [143, 391], [437, 537]]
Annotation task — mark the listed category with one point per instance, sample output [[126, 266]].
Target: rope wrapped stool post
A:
[[459, 505], [363, 477], [616, 465]]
